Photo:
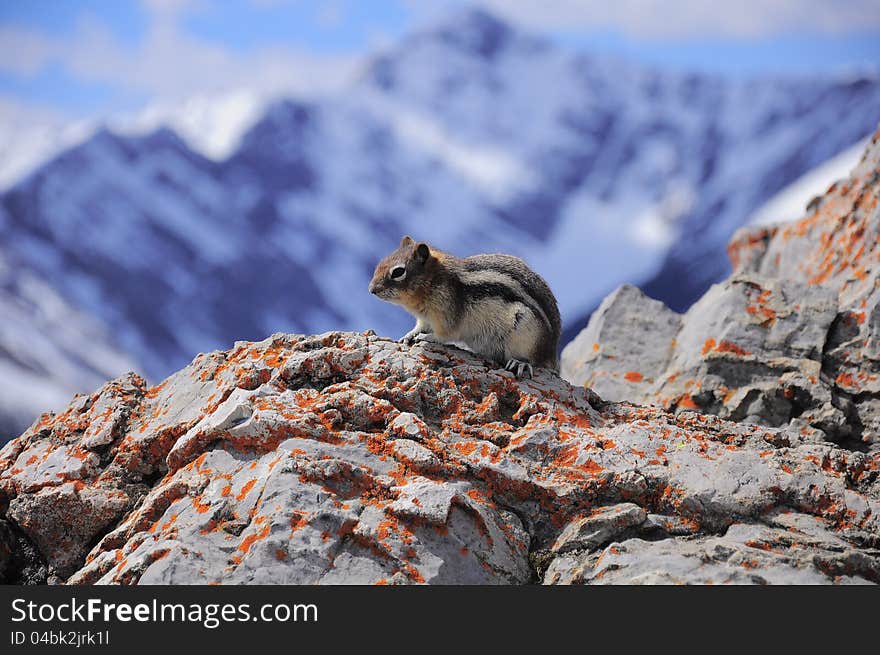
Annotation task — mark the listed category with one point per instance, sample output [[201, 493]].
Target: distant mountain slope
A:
[[212, 125], [803, 125], [48, 350], [471, 135]]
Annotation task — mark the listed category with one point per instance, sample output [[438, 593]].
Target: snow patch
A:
[[790, 203]]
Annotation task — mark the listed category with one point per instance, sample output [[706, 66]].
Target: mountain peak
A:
[[475, 30], [474, 34], [160, 138]]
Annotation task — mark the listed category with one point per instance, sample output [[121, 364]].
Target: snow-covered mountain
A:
[[793, 127], [29, 138], [471, 135], [48, 350], [211, 124]]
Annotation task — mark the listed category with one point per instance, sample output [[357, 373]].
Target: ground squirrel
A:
[[494, 304]]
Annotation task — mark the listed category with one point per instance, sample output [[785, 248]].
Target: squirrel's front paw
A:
[[519, 368], [410, 337]]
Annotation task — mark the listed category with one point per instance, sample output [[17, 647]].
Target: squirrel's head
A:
[[396, 278]]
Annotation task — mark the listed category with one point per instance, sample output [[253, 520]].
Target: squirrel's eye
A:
[[398, 273]]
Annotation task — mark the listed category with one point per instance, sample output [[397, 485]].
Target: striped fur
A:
[[494, 304]]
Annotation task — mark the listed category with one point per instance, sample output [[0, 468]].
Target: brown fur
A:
[[494, 304]]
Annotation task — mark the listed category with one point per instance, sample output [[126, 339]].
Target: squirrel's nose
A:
[[374, 287]]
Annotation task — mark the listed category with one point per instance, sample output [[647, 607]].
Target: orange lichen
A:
[[154, 391], [846, 380], [249, 541], [201, 507], [298, 520], [245, 489], [465, 447], [687, 402], [730, 347]]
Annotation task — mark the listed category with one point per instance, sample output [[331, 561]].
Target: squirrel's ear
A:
[[422, 252], [406, 241]]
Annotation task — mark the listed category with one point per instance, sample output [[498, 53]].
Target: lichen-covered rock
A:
[[626, 346], [63, 520], [349, 458], [800, 551], [790, 339], [599, 527]]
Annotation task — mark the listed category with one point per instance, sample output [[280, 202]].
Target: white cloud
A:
[[29, 135], [25, 51], [210, 94], [683, 18], [212, 124], [168, 63]]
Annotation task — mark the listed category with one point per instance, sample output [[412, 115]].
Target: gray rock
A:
[[670, 525], [599, 527], [745, 554], [625, 348], [790, 339], [62, 520]]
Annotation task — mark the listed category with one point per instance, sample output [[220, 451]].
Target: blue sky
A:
[[88, 57]]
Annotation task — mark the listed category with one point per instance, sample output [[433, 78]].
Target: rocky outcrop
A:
[[790, 339], [349, 458]]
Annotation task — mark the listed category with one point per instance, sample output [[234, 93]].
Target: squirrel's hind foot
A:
[[519, 368]]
